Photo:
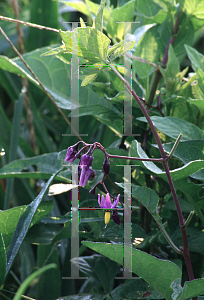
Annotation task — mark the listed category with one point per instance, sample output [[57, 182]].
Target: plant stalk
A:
[[185, 251]]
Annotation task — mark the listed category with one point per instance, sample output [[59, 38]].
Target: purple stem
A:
[[186, 252]]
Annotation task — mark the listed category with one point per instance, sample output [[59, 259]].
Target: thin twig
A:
[[29, 24], [130, 55], [36, 78]]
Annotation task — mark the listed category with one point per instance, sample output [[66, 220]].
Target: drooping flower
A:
[[85, 174], [71, 153], [106, 203], [86, 169]]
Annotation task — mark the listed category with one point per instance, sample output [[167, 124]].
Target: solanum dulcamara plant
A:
[[134, 164]]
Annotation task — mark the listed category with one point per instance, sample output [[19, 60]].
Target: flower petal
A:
[[115, 202], [108, 203]]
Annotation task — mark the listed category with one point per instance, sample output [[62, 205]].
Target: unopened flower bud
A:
[[106, 166], [115, 217]]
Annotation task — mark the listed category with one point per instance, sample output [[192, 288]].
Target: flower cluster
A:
[[85, 172]]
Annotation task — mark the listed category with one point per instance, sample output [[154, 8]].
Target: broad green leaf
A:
[[45, 164], [43, 234], [122, 49], [185, 171], [193, 8], [24, 223], [52, 72], [112, 48], [150, 10], [193, 194], [134, 289], [79, 5], [196, 58], [91, 43], [192, 289], [54, 51], [120, 14], [172, 127], [200, 77], [9, 219], [89, 78], [99, 112], [98, 22], [2, 260], [159, 273], [44, 290], [96, 266], [55, 75], [186, 151], [149, 47], [30, 279], [195, 239], [146, 197]]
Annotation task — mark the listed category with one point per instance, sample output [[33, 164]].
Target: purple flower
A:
[[71, 152], [86, 160], [85, 174], [107, 204], [86, 169]]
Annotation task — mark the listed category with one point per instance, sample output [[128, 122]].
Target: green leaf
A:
[[186, 151], [45, 290], [149, 47], [30, 279], [2, 260], [195, 239], [159, 273], [185, 171], [192, 289], [120, 14], [122, 49], [98, 22], [196, 58], [97, 111], [24, 223], [193, 8], [150, 10], [9, 219], [172, 127], [45, 164], [43, 234], [134, 289], [96, 266], [146, 197], [89, 78], [79, 5], [91, 43]]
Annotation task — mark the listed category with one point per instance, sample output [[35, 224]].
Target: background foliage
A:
[[35, 246]]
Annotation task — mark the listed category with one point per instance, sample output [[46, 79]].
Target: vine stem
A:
[[185, 251]]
